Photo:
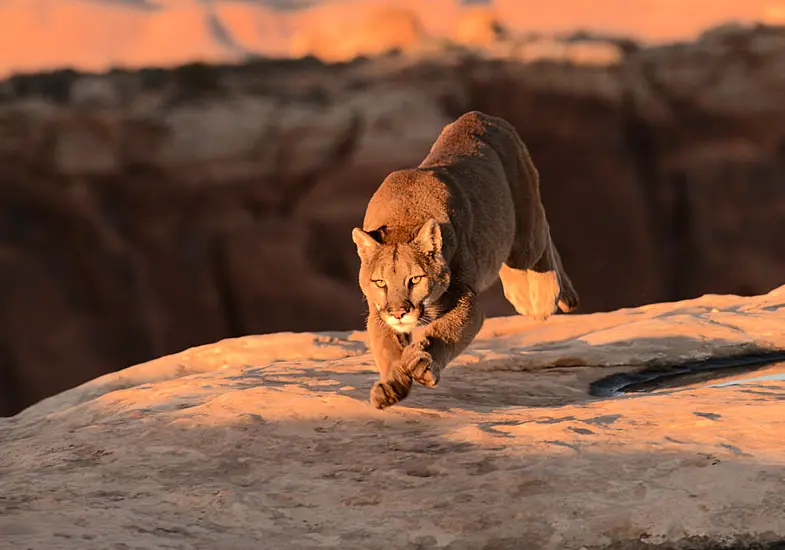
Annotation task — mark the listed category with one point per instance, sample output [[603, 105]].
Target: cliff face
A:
[[269, 442], [145, 212]]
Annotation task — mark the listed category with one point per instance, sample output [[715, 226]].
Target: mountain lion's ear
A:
[[366, 244], [429, 237]]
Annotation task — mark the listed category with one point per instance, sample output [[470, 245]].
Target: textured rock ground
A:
[[142, 213], [269, 442]]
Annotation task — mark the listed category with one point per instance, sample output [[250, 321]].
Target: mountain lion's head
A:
[[403, 281]]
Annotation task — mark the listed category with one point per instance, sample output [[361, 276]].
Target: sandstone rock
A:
[[94, 92], [380, 30], [478, 26], [602, 53], [268, 441], [660, 171], [775, 14], [159, 33]]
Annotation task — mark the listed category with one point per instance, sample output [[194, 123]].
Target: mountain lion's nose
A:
[[400, 311]]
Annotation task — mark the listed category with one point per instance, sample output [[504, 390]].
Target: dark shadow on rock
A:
[[683, 373]]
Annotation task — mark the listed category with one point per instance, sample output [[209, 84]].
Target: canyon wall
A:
[[144, 212]]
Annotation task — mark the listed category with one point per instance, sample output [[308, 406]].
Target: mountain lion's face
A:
[[403, 281]]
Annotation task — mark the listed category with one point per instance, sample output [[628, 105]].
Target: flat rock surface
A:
[[269, 442]]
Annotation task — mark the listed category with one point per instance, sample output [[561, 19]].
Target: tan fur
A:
[[471, 212]]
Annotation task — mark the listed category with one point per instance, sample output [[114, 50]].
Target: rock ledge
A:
[[268, 442]]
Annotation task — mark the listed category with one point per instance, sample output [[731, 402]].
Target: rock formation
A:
[[268, 441], [142, 213], [97, 35]]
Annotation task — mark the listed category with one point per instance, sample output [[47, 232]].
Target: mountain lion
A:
[[436, 236]]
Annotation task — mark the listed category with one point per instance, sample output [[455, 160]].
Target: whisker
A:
[[430, 313]]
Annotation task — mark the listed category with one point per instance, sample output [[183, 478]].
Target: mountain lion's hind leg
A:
[[386, 347], [534, 291], [443, 340]]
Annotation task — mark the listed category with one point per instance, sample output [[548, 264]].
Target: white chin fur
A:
[[401, 327]]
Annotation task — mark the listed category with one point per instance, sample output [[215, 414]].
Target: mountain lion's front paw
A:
[[420, 365], [386, 393]]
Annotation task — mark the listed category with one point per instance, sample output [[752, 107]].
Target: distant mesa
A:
[[379, 31], [479, 26], [101, 34]]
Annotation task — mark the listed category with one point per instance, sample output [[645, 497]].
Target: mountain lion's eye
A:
[[415, 280], [380, 283]]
